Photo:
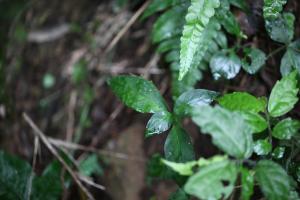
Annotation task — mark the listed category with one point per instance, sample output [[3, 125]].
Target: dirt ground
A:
[[87, 111]]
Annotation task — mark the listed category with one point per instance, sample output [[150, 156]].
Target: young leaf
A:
[[291, 59], [242, 101], [158, 123], [138, 94], [197, 18], [284, 95], [262, 147], [247, 183], [213, 181], [178, 146], [184, 169], [228, 130], [193, 98], [273, 180], [286, 129], [255, 121], [258, 59], [222, 65]]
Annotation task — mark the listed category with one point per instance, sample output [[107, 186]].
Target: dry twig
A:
[[44, 139]]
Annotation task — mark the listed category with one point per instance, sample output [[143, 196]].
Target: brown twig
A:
[[74, 146], [127, 26], [71, 115], [44, 139]]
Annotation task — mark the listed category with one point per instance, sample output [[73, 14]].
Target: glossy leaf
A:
[[138, 94], [284, 95], [213, 181], [291, 59], [273, 180], [228, 130], [247, 179], [278, 152], [286, 129], [228, 20], [242, 101], [262, 147], [257, 57], [255, 121], [193, 98], [168, 24], [178, 146], [197, 18], [273, 8], [225, 66], [275, 27], [159, 123]]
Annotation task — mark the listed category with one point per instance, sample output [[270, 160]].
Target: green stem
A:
[[276, 51]]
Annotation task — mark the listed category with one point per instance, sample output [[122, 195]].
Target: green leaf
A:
[[197, 18], [137, 93], [278, 152], [228, 130], [286, 129], [273, 180], [258, 59], [275, 27], [291, 59], [225, 66], [247, 179], [255, 121], [193, 98], [178, 146], [168, 24], [184, 169], [90, 166], [272, 8], [262, 147], [239, 4], [156, 6], [213, 181], [179, 195], [228, 20], [159, 123], [14, 177], [284, 95], [242, 101]]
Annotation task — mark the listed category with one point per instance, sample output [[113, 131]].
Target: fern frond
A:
[[197, 19]]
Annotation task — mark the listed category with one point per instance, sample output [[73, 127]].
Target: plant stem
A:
[[276, 51]]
